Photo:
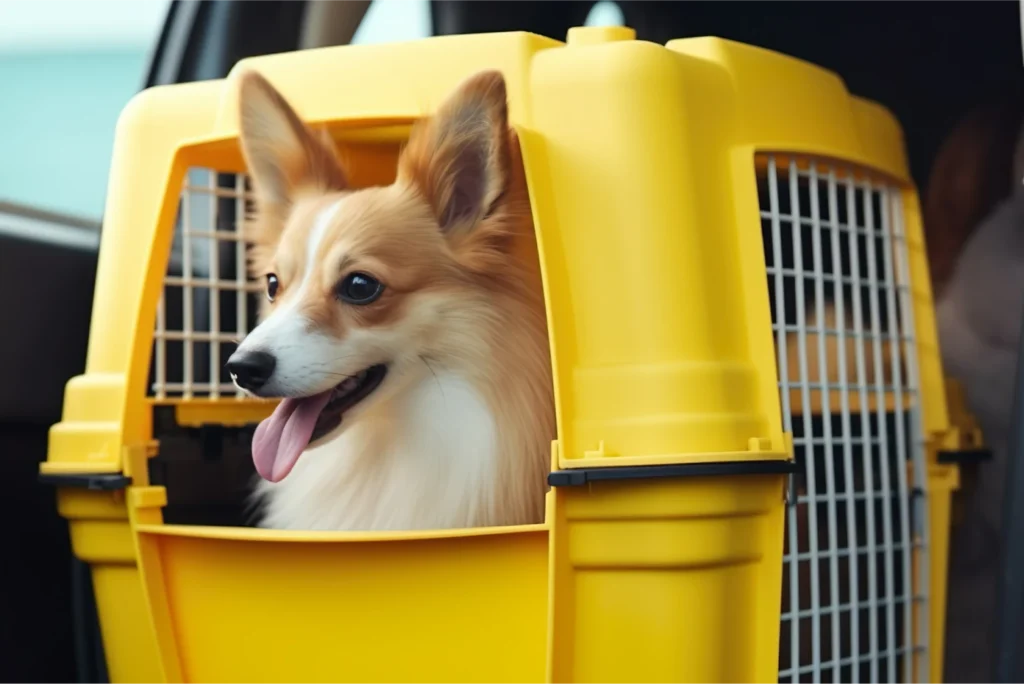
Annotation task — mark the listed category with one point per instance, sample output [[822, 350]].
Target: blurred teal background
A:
[[67, 68], [57, 124]]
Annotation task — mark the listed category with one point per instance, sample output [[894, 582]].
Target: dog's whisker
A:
[[340, 375], [436, 379]]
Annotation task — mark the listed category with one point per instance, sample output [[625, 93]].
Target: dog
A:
[[404, 328]]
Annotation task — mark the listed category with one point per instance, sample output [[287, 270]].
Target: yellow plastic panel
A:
[[668, 581], [245, 608], [782, 104], [88, 438], [934, 400], [103, 541], [129, 642], [655, 355], [102, 537], [943, 480], [968, 432]]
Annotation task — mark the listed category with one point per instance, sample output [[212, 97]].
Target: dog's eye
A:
[[272, 285], [359, 288]]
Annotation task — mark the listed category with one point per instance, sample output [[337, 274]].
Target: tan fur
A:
[[446, 250]]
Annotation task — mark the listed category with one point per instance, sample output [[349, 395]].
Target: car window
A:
[[67, 68], [389, 21]]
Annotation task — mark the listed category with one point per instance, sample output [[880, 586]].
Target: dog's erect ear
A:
[[283, 155], [459, 158]]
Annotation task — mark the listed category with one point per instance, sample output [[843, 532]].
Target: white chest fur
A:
[[428, 459]]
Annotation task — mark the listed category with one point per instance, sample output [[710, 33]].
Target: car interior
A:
[[897, 53]]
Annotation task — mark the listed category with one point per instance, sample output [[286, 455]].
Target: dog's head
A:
[[365, 285]]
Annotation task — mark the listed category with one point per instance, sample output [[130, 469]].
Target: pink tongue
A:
[[280, 439]]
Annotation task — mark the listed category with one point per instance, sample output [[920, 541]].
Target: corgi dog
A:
[[404, 328]]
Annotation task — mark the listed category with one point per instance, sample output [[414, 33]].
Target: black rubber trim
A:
[[964, 456], [582, 476], [106, 482]]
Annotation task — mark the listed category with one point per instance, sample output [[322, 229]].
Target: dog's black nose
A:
[[251, 370]]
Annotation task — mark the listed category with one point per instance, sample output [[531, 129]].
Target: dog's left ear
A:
[[459, 158], [283, 155]]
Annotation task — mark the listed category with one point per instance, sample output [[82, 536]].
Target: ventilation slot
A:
[[208, 303], [855, 583]]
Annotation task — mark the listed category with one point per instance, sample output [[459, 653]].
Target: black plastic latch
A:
[[104, 482], [576, 477], [964, 456]]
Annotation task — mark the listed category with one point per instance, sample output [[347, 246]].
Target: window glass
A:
[[67, 68], [392, 21]]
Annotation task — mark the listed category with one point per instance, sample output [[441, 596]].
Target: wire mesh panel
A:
[[208, 303], [855, 584]]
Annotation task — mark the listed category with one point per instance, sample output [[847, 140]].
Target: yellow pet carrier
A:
[[778, 318]]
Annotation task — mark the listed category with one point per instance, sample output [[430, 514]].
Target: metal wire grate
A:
[[208, 302], [855, 585]]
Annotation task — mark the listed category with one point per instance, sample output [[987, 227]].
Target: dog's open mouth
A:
[[298, 422], [346, 395]]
